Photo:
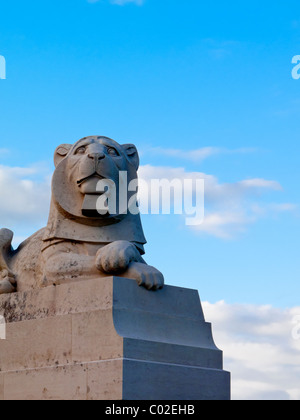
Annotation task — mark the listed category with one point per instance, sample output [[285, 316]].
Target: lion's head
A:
[[78, 170]]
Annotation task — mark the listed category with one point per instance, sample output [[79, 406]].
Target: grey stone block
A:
[[168, 348], [165, 381], [113, 340]]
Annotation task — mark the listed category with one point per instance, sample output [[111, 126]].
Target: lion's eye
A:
[[111, 151], [81, 150]]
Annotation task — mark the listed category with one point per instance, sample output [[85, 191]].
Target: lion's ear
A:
[[132, 154], [61, 152]]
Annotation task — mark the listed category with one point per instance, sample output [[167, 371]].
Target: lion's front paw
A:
[[116, 257], [146, 276], [7, 282]]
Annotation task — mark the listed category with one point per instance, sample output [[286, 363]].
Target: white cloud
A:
[[197, 155], [25, 197], [229, 208], [225, 225], [261, 183], [259, 342], [260, 349]]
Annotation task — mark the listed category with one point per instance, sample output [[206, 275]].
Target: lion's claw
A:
[[146, 276]]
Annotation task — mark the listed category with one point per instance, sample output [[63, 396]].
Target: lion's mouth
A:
[[87, 178]]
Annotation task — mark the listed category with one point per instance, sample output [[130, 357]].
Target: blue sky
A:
[[173, 77], [170, 75]]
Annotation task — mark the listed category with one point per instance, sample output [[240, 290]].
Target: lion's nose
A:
[[96, 156]]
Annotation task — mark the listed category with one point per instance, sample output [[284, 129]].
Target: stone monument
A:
[[86, 317]]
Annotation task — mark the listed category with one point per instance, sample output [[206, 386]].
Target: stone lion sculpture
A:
[[80, 242]]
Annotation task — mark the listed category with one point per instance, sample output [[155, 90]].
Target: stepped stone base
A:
[[108, 339]]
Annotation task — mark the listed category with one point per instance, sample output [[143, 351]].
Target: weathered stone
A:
[[54, 383], [74, 332], [37, 343], [88, 295], [94, 337], [82, 239], [126, 343], [105, 380]]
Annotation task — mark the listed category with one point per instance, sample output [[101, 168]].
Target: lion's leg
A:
[[121, 258], [67, 262], [117, 256]]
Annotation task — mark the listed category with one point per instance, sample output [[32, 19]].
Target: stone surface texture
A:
[[108, 339], [78, 326], [84, 239]]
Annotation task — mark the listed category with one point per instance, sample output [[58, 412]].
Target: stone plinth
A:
[[108, 339]]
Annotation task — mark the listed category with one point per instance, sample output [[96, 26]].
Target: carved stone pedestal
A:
[[108, 339]]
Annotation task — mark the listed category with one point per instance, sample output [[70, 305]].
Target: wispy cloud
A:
[[261, 183], [4, 152], [260, 349], [196, 155], [257, 341], [25, 197], [192, 155], [230, 208]]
